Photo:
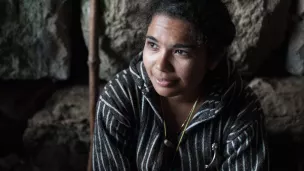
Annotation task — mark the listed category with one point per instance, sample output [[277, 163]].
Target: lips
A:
[[163, 79], [164, 82]]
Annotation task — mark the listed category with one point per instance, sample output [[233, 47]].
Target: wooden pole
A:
[[93, 64]]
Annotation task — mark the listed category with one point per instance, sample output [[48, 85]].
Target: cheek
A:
[[184, 71], [191, 74], [149, 59]]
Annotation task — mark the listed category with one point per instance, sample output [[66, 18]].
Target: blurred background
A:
[[44, 113]]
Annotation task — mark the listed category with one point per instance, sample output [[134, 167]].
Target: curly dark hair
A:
[[210, 19]]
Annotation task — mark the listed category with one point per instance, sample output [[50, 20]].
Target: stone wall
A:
[[45, 119], [34, 39], [121, 34], [282, 101]]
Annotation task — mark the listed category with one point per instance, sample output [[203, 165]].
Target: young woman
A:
[[181, 105]]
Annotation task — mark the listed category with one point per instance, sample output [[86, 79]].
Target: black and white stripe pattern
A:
[[129, 130]]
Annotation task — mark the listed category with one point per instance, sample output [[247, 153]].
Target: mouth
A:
[[165, 82]]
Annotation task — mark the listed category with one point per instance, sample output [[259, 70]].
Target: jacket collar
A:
[[140, 75]]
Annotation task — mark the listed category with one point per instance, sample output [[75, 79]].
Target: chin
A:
[[167, 92]]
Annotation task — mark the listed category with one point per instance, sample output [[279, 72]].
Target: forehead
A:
[[165, 28]]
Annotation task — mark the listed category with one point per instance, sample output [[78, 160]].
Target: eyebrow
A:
[[179, 45], [152, 38], [187, 46]]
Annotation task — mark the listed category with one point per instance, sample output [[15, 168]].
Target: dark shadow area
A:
[[285, 153], [274, 31], [19, 101], [275, 65], [79, 67]]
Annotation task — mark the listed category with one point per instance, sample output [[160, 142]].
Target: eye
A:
[[181, 52], [152, 45]]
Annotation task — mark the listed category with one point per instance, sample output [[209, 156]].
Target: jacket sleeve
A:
[[246, 147], [112, 141]]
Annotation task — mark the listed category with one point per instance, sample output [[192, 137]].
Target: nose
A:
[[163, 62]]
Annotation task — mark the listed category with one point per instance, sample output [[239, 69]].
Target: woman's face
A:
[[176, 65]]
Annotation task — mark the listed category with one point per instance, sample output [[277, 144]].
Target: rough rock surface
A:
[[256, 23], [57, 137], [121, 34], [283, 103], [34, 39], [260, 29], [295, 55], [300, 9], [66, 110]]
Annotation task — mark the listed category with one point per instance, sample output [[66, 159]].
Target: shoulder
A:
[[249, 105], [119, 87], [119, 96], [248, 114], [242, 102], [123, 78]]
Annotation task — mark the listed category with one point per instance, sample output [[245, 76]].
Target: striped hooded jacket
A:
[[226, 133]]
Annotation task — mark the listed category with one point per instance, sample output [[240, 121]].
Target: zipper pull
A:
[[214, 161]]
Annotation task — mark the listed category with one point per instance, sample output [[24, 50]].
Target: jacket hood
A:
[[140, 74]]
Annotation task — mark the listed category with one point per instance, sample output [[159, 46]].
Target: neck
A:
[[176, 109], [187, 98]]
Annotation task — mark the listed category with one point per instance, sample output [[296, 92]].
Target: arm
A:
[[112, 141], [246, 147]]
